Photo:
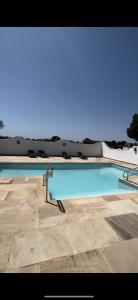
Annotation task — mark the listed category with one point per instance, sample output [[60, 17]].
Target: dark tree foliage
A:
[[132, 131], [55, 138], [88, 141], [119, 144], [1, 124]]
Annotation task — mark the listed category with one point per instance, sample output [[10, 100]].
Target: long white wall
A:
[[11, 147], [126, 155]]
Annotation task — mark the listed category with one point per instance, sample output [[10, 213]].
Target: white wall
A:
[[10, 147], [126, 155]]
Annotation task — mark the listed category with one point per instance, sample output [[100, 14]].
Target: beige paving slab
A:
[[90, 208], [118, 207], [11, 204], [6, 180], [86, 262], [5, 247], [123, 256], [122, 207], [16, 187], [29, 269], [49, 210], [16, 219], [58, 265], [133, 179], [125, 225], [93, 261], [27, 195], [35, 203], [85, 236], [111, 198], [37, 246], [65, 218], [135, 200], [128, 195], [3, 195], [88, 200], [52, 221], [61, 159], [24, 179]]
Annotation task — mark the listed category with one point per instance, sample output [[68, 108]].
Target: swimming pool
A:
[[74, 180]]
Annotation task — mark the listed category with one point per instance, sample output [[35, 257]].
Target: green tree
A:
[[1, 124], [132, 131], [88, 141], [55, 138]]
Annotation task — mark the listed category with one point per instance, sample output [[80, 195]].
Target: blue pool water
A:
[[73, 180]]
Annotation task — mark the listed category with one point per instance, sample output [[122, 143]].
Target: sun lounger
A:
[[31, 153], [65, 155], [41, 153], [81, 155]]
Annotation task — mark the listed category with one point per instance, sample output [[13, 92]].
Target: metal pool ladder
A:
[[128, 173], [49, 173]]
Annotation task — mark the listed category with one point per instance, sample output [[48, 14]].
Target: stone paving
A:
[[97, 234]]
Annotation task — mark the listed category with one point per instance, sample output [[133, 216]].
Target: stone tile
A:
[[28, 269], [3, 195], [85, 236], [17, 187], [69, 207], [47, 222], [86, 209], [19, 218], [35, 203], [123, 256], [49, 210], [21, 194], [92, 262], [10, 204], [58, 265], [90, 208], [87, 200], [135, 200], [118, 208], [22, 179], [128, 196], [37, 246], [125, 225], [133, 179], [111, 198], [28, 195], [5, 247], [6, 180]]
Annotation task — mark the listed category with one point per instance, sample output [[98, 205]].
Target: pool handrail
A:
[[48, 173], [127, 172]]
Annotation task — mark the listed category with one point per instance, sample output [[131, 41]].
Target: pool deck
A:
[[96, 235]]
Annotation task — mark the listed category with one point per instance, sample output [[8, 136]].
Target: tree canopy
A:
[[55, 138], [132, 131], [1, 124], [88, 141]]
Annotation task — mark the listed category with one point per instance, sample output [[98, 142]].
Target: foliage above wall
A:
[[1, 124], [132, 131], [55, 138], [119, 144], [88, 141]]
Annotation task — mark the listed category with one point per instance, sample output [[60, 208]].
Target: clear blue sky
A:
[[70, 82]]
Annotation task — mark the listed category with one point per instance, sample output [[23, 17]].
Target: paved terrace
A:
[[98, 234]]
